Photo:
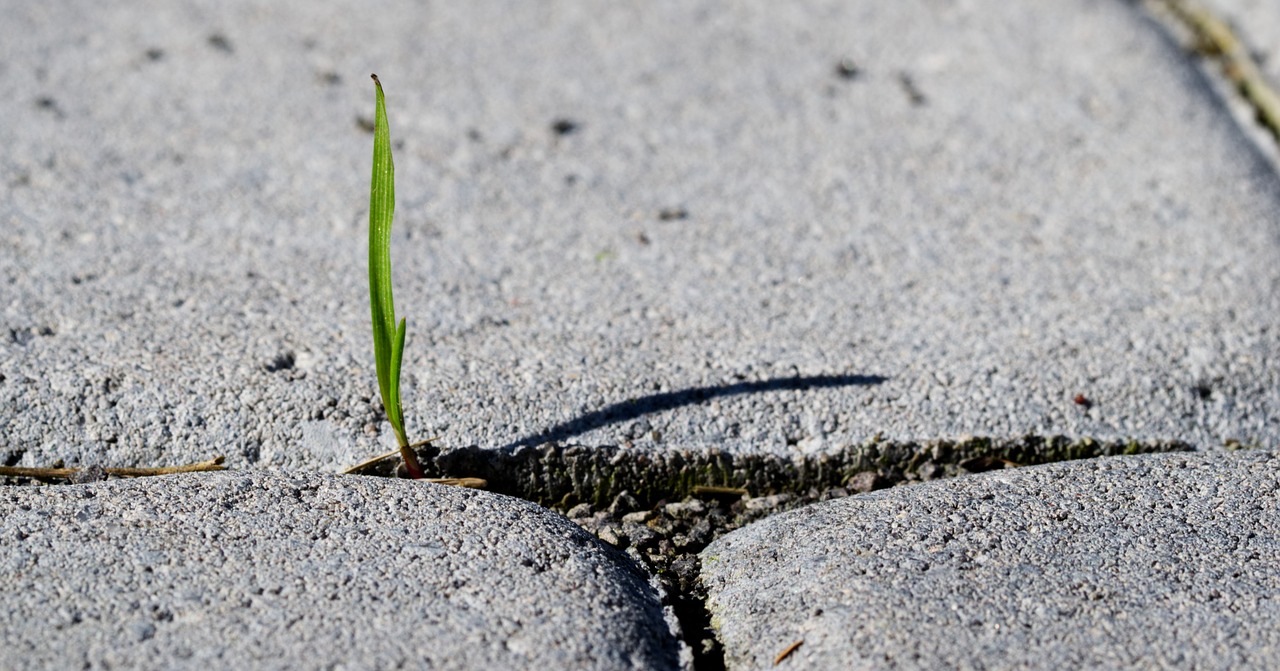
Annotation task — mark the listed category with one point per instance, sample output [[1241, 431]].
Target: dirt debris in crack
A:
[[562, 476], [662, 508], [666, 538]]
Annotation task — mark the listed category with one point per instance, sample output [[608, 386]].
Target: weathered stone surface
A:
[[268, 571], [1156, 561], [760, 227]]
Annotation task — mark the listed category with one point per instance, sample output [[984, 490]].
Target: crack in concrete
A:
[[556, 475], [663, 508]]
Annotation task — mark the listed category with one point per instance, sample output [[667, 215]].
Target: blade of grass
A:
[[382, 207], [396, 417], [388, 340]]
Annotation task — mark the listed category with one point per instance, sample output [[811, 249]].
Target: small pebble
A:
[[610, 534], [764, 503], [623, 503], [638, 517], [685, 508], [640, 536], [91, 473], [700, 534], [867, 481]]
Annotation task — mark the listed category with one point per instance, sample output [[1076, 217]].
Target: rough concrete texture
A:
[[1156, 561], [635, 223], [258, 571]]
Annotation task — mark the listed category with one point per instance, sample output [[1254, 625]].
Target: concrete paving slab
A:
[[1155, 561], [262, 571], [768, 227]]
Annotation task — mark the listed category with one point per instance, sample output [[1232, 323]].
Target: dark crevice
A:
[[554, 474], [690, 607], [564, 126], [221, 43], [282, 361], [672, 214], [663, 508]]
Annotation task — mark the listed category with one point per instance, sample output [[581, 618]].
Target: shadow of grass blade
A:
[[388, 341]]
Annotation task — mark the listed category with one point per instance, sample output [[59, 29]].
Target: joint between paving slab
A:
[[1214, 39], [558, 475], [663, 509]]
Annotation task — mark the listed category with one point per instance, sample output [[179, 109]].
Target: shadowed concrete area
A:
[[655, 403]]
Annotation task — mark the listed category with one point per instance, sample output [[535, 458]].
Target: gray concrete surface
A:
[[1156, 561], [261, 571], [999, 206]]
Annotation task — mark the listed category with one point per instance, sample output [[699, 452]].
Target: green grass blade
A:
[[387, 343], [397, 417]]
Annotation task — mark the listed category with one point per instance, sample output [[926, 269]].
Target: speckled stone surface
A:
[[782, 227], [761, 228], [1149, 562], [260, 571]]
